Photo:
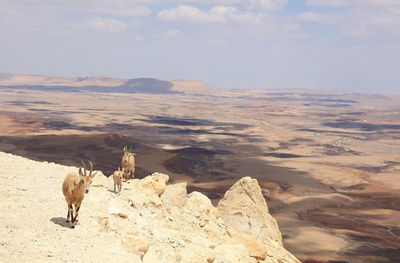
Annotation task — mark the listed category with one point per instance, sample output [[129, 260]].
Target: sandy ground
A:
[[32, 216]]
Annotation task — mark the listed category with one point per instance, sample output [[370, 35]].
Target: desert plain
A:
[[328, 163]]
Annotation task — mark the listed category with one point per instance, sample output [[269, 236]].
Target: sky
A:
[[341, 45]]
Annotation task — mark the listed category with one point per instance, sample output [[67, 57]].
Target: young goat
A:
[[117, 176], [74, 188], [128, 163]]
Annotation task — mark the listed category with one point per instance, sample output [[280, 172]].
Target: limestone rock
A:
[[200, 205], [187, 255], [156, 181], [137, 245], [100, 180], [244, 209], [140, 196], [115, 224], [277, 254], [151, 256], [256, 248], [232, 253], [161, 253], [118, 208], [175, 195]]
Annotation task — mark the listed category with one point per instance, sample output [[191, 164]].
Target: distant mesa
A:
[[145, 85], [101, 84]]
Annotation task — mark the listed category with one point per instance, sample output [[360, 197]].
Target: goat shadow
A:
[[61, 222]]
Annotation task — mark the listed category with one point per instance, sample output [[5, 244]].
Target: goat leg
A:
[[68, 213], [76, 213]]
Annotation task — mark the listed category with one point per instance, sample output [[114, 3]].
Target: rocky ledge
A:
[[148, 221]]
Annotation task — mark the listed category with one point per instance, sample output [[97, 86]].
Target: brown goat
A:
[[117, 176], [128, 163], [74, 188]]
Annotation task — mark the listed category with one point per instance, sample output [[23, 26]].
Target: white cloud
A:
[[232, 25], [132, 11], [346, 3], [211, 2], [320, 17], [188, 14], [330, 3], [110, 7], [367, 23], [270, 5], [105, 24], [255, 5], [360, 18], [217, 14]]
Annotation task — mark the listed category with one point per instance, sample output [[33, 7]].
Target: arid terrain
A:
[[328, 164]]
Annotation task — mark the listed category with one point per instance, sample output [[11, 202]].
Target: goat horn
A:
[[84, 167], [91, 168]]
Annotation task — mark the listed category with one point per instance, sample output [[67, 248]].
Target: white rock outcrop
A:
[[244, 209], [148, 221]]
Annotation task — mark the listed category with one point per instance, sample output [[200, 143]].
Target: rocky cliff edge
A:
[[149, 221]]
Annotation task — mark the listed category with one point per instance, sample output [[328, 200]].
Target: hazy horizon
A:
[[338, 45]]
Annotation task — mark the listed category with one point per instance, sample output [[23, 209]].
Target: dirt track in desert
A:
[[328, 164]]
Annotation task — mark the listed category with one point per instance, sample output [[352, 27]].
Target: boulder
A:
[[276, 253], [256, 248], [144, 199], [200, 205], [232, 253], [136, 245], [186, 255], [244, 209], [156, 182], [175, 195]]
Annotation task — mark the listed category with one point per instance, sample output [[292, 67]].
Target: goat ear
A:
[[80, 171]]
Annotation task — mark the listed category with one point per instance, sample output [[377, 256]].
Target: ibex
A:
[[74, 188], [128, 163], [117, 176]]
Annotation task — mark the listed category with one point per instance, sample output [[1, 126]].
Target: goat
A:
[[117, 176], [128, 163], [74, 188]]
